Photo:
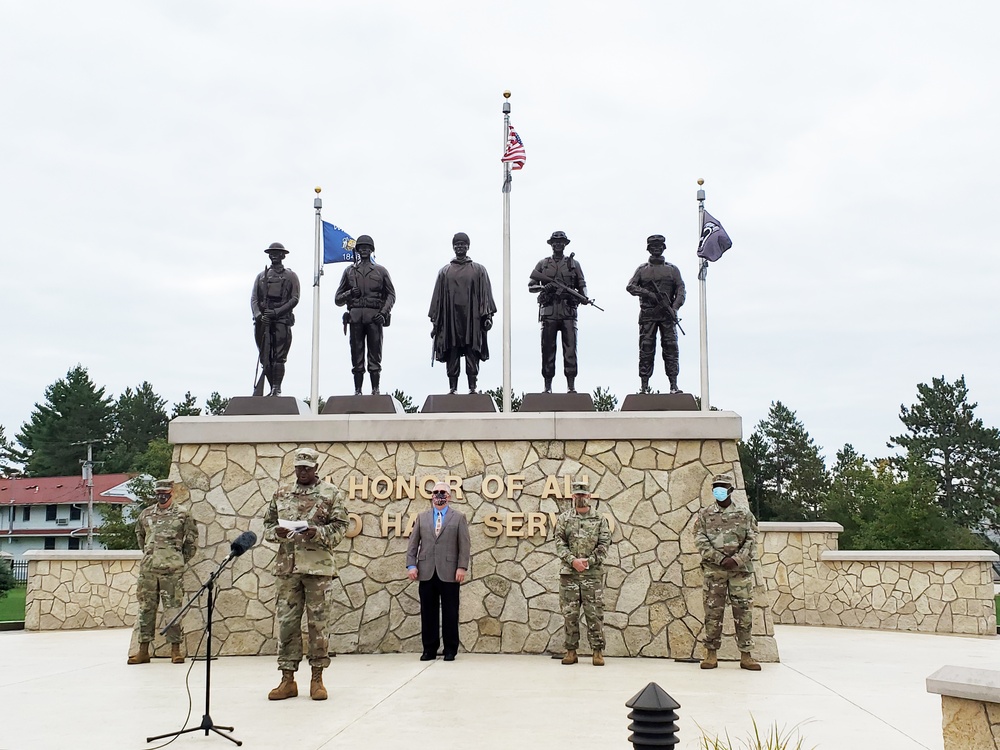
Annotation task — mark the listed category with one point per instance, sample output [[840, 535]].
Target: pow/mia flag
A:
[[714, 240]]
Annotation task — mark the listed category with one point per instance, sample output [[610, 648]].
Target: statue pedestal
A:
[[557, 402], [371, 404], [256, 406], [659, 402], [459, 403]]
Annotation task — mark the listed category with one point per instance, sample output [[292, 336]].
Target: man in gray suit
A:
[[438, 554]]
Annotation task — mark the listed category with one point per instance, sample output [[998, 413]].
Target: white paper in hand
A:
[[293, 526]]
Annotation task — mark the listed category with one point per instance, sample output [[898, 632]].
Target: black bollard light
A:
[[654, 718]]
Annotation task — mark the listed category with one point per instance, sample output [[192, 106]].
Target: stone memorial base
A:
[[459, 403], [557, 402], [659, 402], [256, 406], [370, 404]]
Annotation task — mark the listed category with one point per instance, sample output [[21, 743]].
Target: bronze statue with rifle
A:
[[274, 296], [660, 290]]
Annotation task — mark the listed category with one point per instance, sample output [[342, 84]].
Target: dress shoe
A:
[[427, 657], [449, 657]]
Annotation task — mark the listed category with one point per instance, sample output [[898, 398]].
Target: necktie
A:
[[437, 523]]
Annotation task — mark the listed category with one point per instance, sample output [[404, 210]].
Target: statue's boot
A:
[[570, 384], [548, 385], [570, 657], [644, 385], [317, 691], [472, 383], [673, 385], [286, 688], [375, 377], [711, 660], [277, 375], [142, 657], [359, 379], [452, 384], [748, 662], [176, 657]]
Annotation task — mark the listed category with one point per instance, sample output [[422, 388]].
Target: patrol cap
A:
[[655, 239], [460, 236], [164, 485], [726, 480], [307, 457], [365, 240], [558, 237], [276, 246], [581, 487]]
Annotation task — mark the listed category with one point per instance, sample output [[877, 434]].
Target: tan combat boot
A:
[[176, 657], [747, 662], [142, 657], [570, 657], [710, 661], [598, 658], [286, 688], [316, 690]]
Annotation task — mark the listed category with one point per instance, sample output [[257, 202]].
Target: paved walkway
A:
[[849, 689]]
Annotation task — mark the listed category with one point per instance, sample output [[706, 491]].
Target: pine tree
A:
[[216, 404], [957, 449], [139, 418], [604, 400], [75, 412], [790, 473], [188, 407], [405, 401], [11, 459], [497, 395]]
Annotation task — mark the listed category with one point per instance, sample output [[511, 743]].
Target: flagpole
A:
[[703, 303], [506, 261], [318, 272]]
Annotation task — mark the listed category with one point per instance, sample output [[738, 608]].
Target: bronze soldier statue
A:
[[275, 294], [367, 291], [461, 314], [554, 280], [660, 290]]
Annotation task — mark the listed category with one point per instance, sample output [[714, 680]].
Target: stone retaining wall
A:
[[970, 707], [810, 582], [81, 589]]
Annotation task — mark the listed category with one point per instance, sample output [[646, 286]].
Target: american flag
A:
[[515, 148]]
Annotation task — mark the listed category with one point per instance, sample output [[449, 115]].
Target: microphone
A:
[[241, 544]]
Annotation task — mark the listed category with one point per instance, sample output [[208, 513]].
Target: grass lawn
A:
[[12, 605]]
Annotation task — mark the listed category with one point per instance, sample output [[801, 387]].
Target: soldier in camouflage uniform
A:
[[582, 541], [168, 537], [305, 569], [727, 540]]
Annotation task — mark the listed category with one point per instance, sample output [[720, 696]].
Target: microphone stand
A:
[[206, 721]]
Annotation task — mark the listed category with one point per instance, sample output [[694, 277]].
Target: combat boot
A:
[[316, 690], [472, 383], [747, 662], [673, 385], [142, 657], [452, 385], [710, 661], [375, 377], [570, 385], [176, 657], [359, 379], [570, 657], [548, 385], [644, 385], [598, 658], [286, 688]]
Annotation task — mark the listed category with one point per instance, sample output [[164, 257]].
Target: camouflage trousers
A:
[[296, 593], [150, 588], [738, 586], [576, 591]]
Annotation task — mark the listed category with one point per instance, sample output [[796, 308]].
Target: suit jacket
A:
[[445, 553]]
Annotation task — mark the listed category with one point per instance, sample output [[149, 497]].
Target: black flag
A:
[[714, 240]]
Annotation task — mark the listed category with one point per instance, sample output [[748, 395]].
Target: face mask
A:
[[720, 493]]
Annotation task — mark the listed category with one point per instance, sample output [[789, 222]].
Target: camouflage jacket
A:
[[320, 505], [585, 535], [726, 532], [168, 538]]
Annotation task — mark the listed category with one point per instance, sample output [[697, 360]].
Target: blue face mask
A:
[[720, 493]]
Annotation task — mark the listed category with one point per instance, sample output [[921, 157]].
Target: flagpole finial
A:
[[701, 181], [318, 189], [506, 94]]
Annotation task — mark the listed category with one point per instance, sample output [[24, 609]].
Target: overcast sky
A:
[[152, 150]]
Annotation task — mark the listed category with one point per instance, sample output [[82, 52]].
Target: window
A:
[[75, 513], [50, 513], [74, 543], [50, 542], [26, 513]]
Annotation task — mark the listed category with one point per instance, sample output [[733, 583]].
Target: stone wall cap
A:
[[931, 555], [813, 527], [970, 683], [83, 554]]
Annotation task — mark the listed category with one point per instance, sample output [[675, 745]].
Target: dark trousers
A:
[[362, 334], [648, 331], [567, 330], [439, 597], [454, 363]]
